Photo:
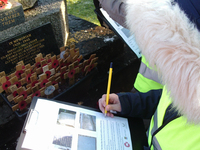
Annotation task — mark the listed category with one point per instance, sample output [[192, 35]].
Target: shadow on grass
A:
[[83, 9]]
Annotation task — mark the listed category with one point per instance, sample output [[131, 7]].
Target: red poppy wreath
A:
[[55, 63], [24, 93], [43, 83], [22, 105], [18, 84], [6, 85], [71, 73], [19, 73], [37, 94]]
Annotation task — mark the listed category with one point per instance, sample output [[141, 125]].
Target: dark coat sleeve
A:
[[115, 9], [142, 105]]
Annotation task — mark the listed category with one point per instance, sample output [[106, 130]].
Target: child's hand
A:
[[113, 104]]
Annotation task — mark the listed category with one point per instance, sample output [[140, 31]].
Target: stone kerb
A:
[[53, 11]]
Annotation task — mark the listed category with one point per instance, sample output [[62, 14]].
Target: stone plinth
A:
[[53, 11]]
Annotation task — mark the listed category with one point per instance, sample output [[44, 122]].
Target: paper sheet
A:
[[61, 126], [124, 33]]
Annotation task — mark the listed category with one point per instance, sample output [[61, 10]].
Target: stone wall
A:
[[53, 11]]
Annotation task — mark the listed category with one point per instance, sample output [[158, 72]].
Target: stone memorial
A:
[[11, 14], [26, 46], [53, 11], [27, 3]]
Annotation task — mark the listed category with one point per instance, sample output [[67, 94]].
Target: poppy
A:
[[18, 84], [22, 105], [15, 93], [48, 73], [32, 71], [6, 85], [18, 73], [79, 60], [76, 66], [38, 64], [5, 1], [91, 67], [7, 78], [44, 65], [54, 83], [67, 64], [62, 74], [28, 78], [23, 67], [62, 65], [24, 93], [37, 94], [55, 63], [33, 83], [71, 73], [83, 69], [89, 60], [43, 83], [49, 61]]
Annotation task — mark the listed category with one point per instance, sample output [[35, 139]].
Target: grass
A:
[[83, 9]]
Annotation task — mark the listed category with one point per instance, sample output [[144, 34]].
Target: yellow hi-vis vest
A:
[[178, 134], [146, 79]]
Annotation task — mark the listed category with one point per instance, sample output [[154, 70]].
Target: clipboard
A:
[[123, 33], [137, 131]]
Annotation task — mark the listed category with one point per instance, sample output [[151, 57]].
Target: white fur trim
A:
[[169, 41]]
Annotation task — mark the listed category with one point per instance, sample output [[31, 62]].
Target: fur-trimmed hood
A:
[[171, 45]]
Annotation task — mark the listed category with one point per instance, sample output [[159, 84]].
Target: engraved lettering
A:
[[9, 18], [24, 48]]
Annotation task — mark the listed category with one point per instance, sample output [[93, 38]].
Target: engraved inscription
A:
[[26, 46], [9, 17], [23, 49]]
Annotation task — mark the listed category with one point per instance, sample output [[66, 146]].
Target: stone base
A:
[[53, 11]]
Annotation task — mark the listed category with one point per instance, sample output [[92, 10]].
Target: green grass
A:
[[83, 9]]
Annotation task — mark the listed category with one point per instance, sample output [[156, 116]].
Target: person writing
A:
[[168, 34], [147, 78]]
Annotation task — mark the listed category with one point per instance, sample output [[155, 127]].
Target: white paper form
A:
[[61, 126], [124, 33]]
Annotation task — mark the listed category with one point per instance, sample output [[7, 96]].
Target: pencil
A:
[[108, 87]]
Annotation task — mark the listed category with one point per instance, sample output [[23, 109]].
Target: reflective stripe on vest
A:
[[177, 134], [157, 120], [147, 79]]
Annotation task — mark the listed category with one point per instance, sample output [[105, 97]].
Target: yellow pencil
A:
[[108, 87]]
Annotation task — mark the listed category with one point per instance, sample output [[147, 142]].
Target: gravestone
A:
[[26, 46], [11, 15], [53, 11], [90, 39]]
